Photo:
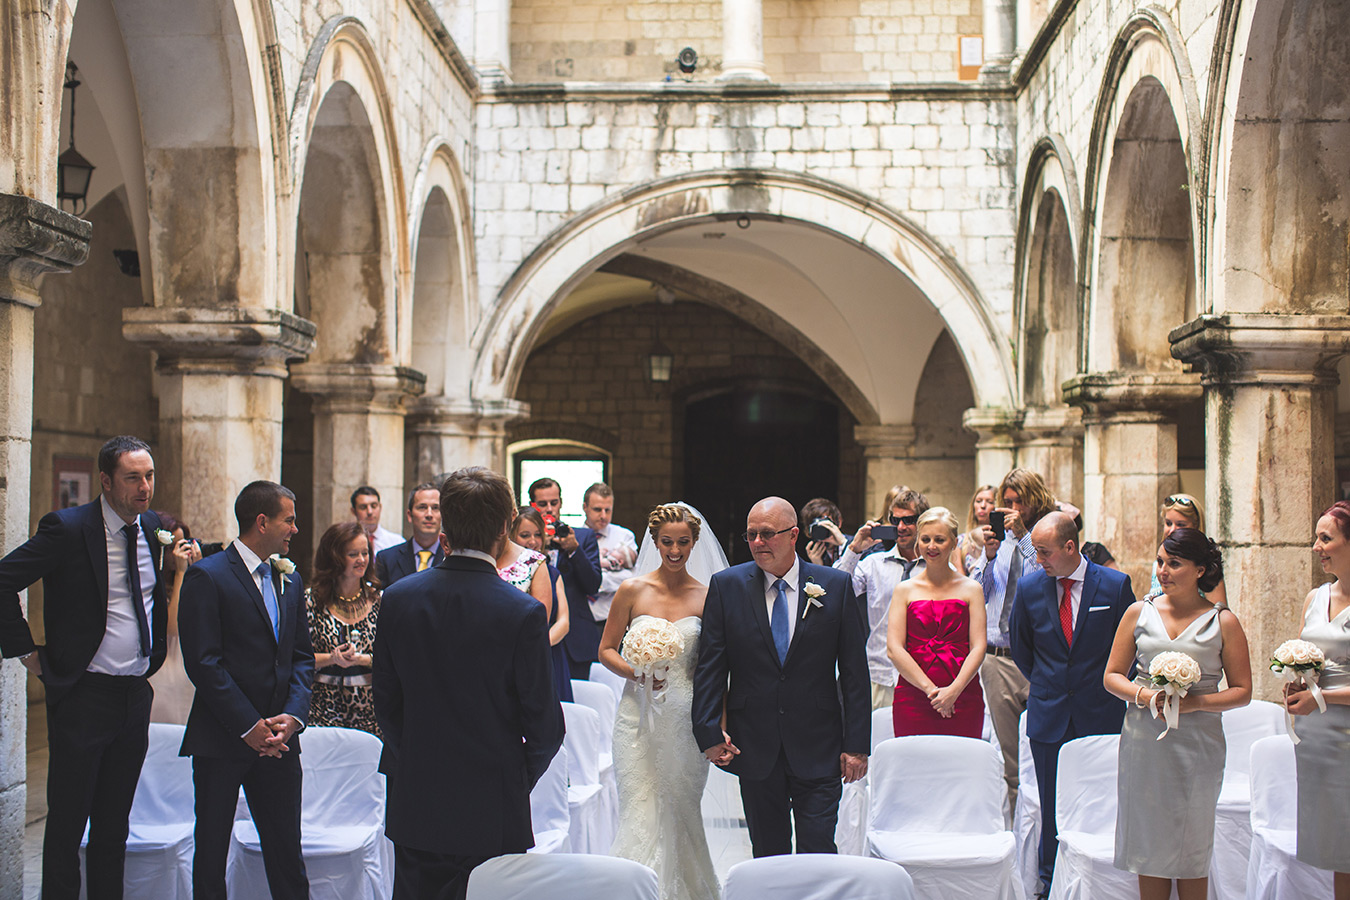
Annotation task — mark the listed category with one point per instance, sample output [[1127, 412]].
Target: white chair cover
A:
[[1085, 813], [562, 877], [817, 876], [850, 832], [1242, 727], [937, 810], [341, 823], [590, 832], [549, 816], [1272, 871], [1027, 822], [601, 699], [159, 842], [601, 675]]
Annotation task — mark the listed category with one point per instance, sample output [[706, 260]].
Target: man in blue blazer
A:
[[1061, 629], [576, 556], [778, 629], [246, 647], [465, 699], [421, 551], [105, 613]]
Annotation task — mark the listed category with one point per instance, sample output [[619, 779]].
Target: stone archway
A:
[[866, 286], [350, 266], [1140, 259]]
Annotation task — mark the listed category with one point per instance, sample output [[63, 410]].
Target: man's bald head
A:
[[1055, 538], [775, 508]]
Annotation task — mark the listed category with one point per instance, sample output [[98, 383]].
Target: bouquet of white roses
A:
[[649, 647], [1176, 673], [1295, 661]]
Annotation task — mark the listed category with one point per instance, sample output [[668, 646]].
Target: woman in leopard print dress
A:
[[343, 604]]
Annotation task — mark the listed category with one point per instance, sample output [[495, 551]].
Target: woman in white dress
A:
[[1323, 752], [661, 773], [1167, 788]]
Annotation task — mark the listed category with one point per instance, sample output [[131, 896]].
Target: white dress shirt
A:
[[876, 576], [792, 577], [476, 554], [252, 561], [614, 539], [119, 653], [382, 538]]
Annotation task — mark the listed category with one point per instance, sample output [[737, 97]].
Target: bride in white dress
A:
[[660, 770]]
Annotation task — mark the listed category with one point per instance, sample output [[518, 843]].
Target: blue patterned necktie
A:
[[269, 595], [778, 625]]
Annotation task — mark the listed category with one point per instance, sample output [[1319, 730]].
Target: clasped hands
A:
[[345, 655], [269, 736], [943, 700]]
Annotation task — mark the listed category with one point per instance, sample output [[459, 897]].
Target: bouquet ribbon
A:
[[1171, 711], [651, 700], [1308, 677]]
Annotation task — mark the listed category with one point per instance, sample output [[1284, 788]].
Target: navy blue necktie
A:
[[137, 598], [778, 625]]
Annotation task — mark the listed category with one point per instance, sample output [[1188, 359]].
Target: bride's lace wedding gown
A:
[[661, 775]]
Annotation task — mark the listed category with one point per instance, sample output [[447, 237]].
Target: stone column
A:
[[492, 40], [358, 432], [995, 445], [34, 239], [1270, 412], [1051, 443], [743, 41], [887, 452], [1129, 460], [1000, 17], [221, 385], [449, 434]]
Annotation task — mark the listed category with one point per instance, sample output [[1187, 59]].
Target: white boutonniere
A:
[[164, 537], [282, 565], [813, 594]]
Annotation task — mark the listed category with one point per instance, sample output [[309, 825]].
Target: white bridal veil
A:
[[705, 562]]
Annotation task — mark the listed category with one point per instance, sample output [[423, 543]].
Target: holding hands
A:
[[723, 753]]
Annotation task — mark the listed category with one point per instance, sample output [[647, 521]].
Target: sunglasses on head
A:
[[1179, 500]]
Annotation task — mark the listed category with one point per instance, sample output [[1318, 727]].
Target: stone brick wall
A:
[[589, 384], [946, 164], [839, 41]]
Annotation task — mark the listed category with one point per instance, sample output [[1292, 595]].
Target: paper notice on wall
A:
[[972, 50]]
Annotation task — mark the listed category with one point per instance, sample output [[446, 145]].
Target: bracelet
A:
[[1136, 697]]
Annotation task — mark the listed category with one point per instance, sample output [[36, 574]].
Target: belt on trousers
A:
[[1003, 652], [344, 680]]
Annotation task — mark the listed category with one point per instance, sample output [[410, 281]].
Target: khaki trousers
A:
[[883, 696], [1005, 694]]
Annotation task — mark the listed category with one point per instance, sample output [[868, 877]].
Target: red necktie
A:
[[1066, 610]]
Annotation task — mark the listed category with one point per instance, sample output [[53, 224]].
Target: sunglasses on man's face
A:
[[904, 520]]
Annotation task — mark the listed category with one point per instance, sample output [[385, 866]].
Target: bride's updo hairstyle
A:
[[670, 514], [940, 514], [1192, 544]]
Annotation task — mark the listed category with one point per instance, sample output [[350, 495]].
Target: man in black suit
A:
[[465, 699], [575, 553], [780, 628], [246, 647], [421, 551], [105, 613], [1062, 627]]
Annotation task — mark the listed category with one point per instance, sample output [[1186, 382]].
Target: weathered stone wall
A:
[[944, 163], [839, 41]]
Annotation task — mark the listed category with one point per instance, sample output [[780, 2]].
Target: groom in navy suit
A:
[[1061, 629], [246, 647], [779, 628]]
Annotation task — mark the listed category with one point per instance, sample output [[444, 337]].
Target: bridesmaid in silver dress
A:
[[1323, 754], [1167, 789]]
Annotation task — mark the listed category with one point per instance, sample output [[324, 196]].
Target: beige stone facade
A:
[[361, 228]]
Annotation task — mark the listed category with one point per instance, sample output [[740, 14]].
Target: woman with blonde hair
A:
[[660, 769], [936, 639], [971, 544], [1184, 511]]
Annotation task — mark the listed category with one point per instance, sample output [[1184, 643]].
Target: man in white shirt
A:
[[366, 509], [618, 547], [874, 579], [105, 614]]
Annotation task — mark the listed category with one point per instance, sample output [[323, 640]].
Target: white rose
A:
[[164, 537], [282, 564]]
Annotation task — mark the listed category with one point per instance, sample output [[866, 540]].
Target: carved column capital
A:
[[230, 341], [36, 239], [1262, 348], [358, 387]]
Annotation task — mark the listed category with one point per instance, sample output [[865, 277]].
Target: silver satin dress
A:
[[1323, 754], [1167, 789]]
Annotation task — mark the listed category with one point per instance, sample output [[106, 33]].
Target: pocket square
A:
[[1092, 609]]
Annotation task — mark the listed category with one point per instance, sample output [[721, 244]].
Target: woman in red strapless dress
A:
[[936, 639]]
